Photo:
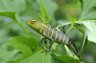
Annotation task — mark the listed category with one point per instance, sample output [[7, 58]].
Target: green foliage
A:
[[89, 10], [68, 59], [42, 14], [6, 55], [24, 46], [46, 10], [11, 5], [27, 45], [8, 14], [91, 25], [40, 56]]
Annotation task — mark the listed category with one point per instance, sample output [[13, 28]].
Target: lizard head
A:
[[36, 25]]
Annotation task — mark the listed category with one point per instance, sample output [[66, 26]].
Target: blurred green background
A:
[[15, 13]]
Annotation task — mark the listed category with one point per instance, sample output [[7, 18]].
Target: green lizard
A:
[[50, 33]]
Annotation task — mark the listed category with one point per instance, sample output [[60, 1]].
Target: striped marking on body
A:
[[56, 35], [52, 32], [49, 29], [60, 36], [63, 38]]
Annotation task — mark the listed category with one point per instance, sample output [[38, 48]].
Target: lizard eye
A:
[[33, 21]]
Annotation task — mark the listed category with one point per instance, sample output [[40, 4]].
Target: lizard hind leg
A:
[[46, 44]]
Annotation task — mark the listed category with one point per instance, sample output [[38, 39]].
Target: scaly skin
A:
[[50, 33]]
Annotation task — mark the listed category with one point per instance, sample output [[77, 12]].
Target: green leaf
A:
[[20, 23], [90, 26], [26, 51], [8, 8], [47, 10], [50, 7], [15, 17], [70, 53], [39, 57], [6, 55], [29, 41], [89, 10], [90, 15], [59, 49], [42, 14], [88, 4], [12, 5], [91, 30], [8, 14], [24, 44], [68, 59]]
